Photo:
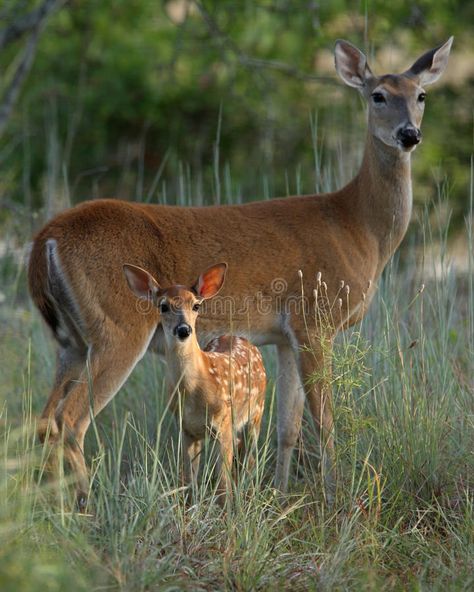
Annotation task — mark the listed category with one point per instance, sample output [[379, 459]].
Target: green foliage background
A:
[[128, 95], [124, 89]]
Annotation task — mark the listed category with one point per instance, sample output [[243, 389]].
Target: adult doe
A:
[[221, 389], [76, 279]]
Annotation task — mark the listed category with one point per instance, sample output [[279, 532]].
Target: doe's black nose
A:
[[183, 331], [409, 136]]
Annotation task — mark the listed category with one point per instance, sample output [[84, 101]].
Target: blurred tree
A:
[[28, 24]]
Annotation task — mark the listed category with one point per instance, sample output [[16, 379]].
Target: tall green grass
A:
[[404, 511]]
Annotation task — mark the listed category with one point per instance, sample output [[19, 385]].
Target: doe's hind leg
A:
[[70, 362], [108, 368]]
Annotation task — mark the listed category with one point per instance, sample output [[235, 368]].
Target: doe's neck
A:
[[385, 194]]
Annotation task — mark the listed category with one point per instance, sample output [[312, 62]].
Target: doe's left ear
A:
[[210, 281], [432, 64]]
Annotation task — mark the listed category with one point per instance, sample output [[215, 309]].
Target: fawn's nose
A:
[[409, 136], [183, 331]]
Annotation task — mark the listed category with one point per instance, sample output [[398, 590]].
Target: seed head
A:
[[348, 289], [318, 278], [300, 274], [341, 285], [339, 302]]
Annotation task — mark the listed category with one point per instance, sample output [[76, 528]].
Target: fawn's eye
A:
[[196, 306], [164, 307], [421, 97], [378, 97]]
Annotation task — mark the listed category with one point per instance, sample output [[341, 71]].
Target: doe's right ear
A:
[[140, 281], [351, 64]]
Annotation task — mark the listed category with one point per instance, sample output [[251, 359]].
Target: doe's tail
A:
[[52, 295]]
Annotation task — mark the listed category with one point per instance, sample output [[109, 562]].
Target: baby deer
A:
[[222, 387]]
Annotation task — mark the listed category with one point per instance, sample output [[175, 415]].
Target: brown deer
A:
[[222, 387], [76, 279]]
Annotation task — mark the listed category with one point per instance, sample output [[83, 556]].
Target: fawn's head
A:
[[178, 305], [396, 101]]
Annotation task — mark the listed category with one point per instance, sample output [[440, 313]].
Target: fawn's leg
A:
[[226, 455], [250, 447], [290, 405], [195, 459], [191, 450]]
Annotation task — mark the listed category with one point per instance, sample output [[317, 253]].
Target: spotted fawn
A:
[[221, 388]]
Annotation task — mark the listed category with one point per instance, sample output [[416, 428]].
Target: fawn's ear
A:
[[351, 64], [210, 281], [140, 282], [431, 65]]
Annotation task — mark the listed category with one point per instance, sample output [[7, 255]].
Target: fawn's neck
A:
[[186, 363], [384, 194]]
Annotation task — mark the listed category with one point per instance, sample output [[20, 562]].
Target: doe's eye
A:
[[196, 306], [164, 307], [421, 97], [378, 97]]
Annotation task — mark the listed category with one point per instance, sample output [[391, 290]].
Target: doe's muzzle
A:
[[409, 136]]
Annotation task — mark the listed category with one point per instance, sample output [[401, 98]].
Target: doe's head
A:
[[178, 305], [396, 101]]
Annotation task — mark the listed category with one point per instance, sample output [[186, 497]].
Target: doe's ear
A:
[[210, 281], [140, 281], [431, 65], [351, 64]]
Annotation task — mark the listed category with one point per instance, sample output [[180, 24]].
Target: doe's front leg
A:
[[315, 367]]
